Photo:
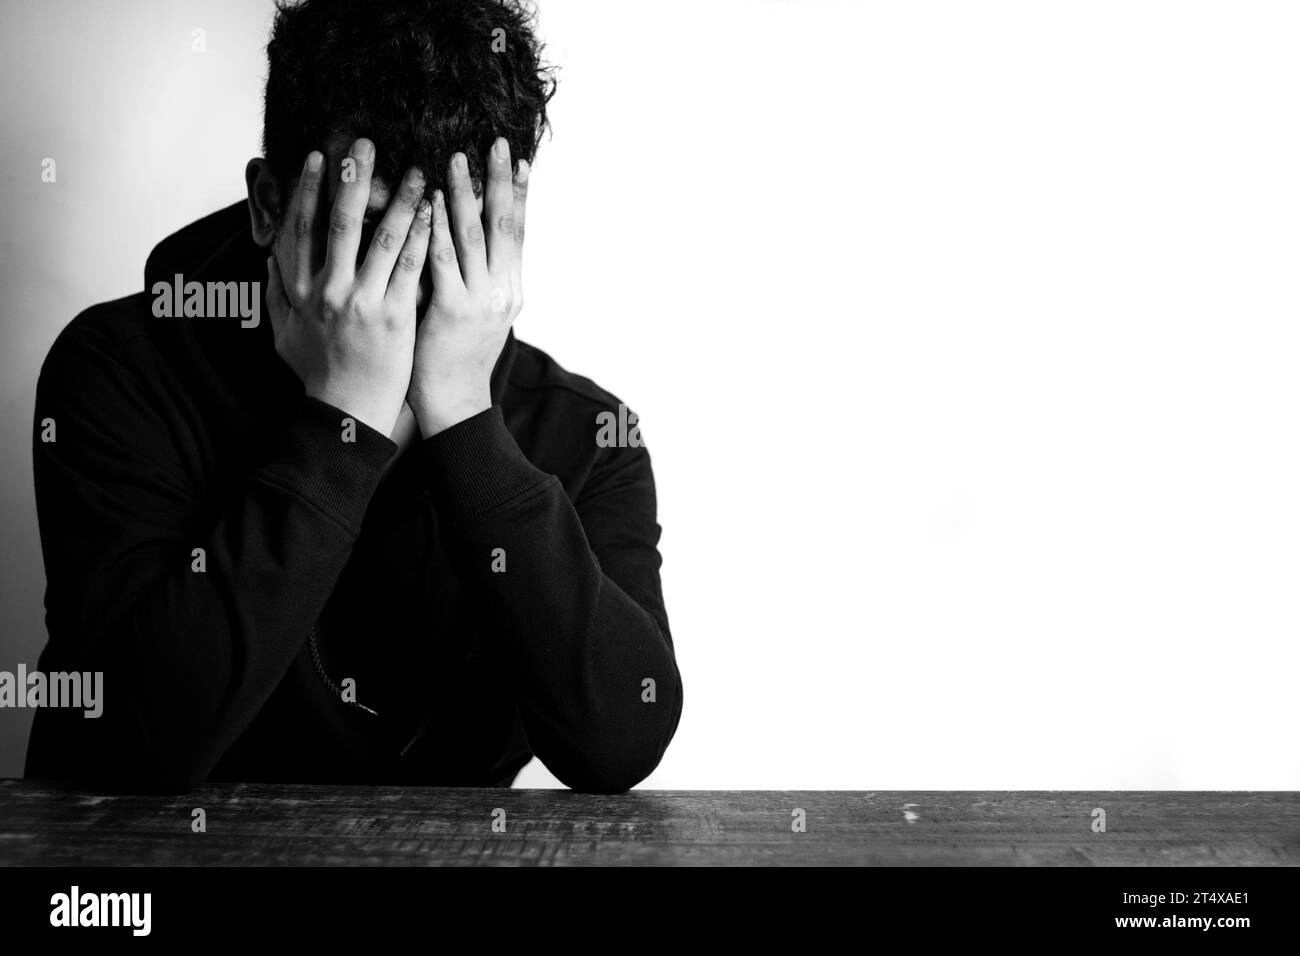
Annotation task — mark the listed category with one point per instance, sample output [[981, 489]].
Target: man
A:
[[374, 539]]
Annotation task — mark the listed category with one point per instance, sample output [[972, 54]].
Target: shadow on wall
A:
[[22, 574]]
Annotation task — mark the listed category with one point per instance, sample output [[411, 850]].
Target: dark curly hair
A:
[[421, 78]]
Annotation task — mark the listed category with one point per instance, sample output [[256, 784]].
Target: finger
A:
[[303, 212], [521, 204], [521, 199], [499, 212], [466, 229], [390, 237], [407, 269], [442, 253], [348, 212], [277, 302]]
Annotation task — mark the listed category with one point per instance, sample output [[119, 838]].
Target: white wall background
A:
[[964, 336]]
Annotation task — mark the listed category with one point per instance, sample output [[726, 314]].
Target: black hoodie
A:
[[493, 595]]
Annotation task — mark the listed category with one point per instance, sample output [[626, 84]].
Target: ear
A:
[[263, 200]]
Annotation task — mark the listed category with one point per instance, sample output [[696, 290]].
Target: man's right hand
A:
[[348, 331]]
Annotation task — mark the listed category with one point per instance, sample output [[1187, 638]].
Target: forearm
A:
[[598, 684]]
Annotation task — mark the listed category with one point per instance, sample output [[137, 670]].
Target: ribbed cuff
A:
[[315, 461], [476, 466]]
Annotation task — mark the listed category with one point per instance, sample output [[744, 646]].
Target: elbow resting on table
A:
[[615, 759], [603, 776]]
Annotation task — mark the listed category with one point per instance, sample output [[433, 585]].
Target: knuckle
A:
[[506, 224], [519, 233], [302, 228], [474, 234], [445, 253], [408, 262], [386, 239], [333, 300], [341, 222]]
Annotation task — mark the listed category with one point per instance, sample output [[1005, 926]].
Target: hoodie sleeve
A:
[[577, 595], [192, 609]]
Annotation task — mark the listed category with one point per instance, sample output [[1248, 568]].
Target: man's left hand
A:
[[476, 264]]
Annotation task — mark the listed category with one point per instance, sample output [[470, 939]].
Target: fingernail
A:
[[460, 164], [363, 149], [315, 161], [524, 169], [501, 148]]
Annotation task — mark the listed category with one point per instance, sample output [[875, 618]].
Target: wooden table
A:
[[51, 824]]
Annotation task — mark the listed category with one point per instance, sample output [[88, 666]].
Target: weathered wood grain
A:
[[251, 824]]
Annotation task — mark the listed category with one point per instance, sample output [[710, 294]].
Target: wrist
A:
[[381, 417], [437, 416]]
